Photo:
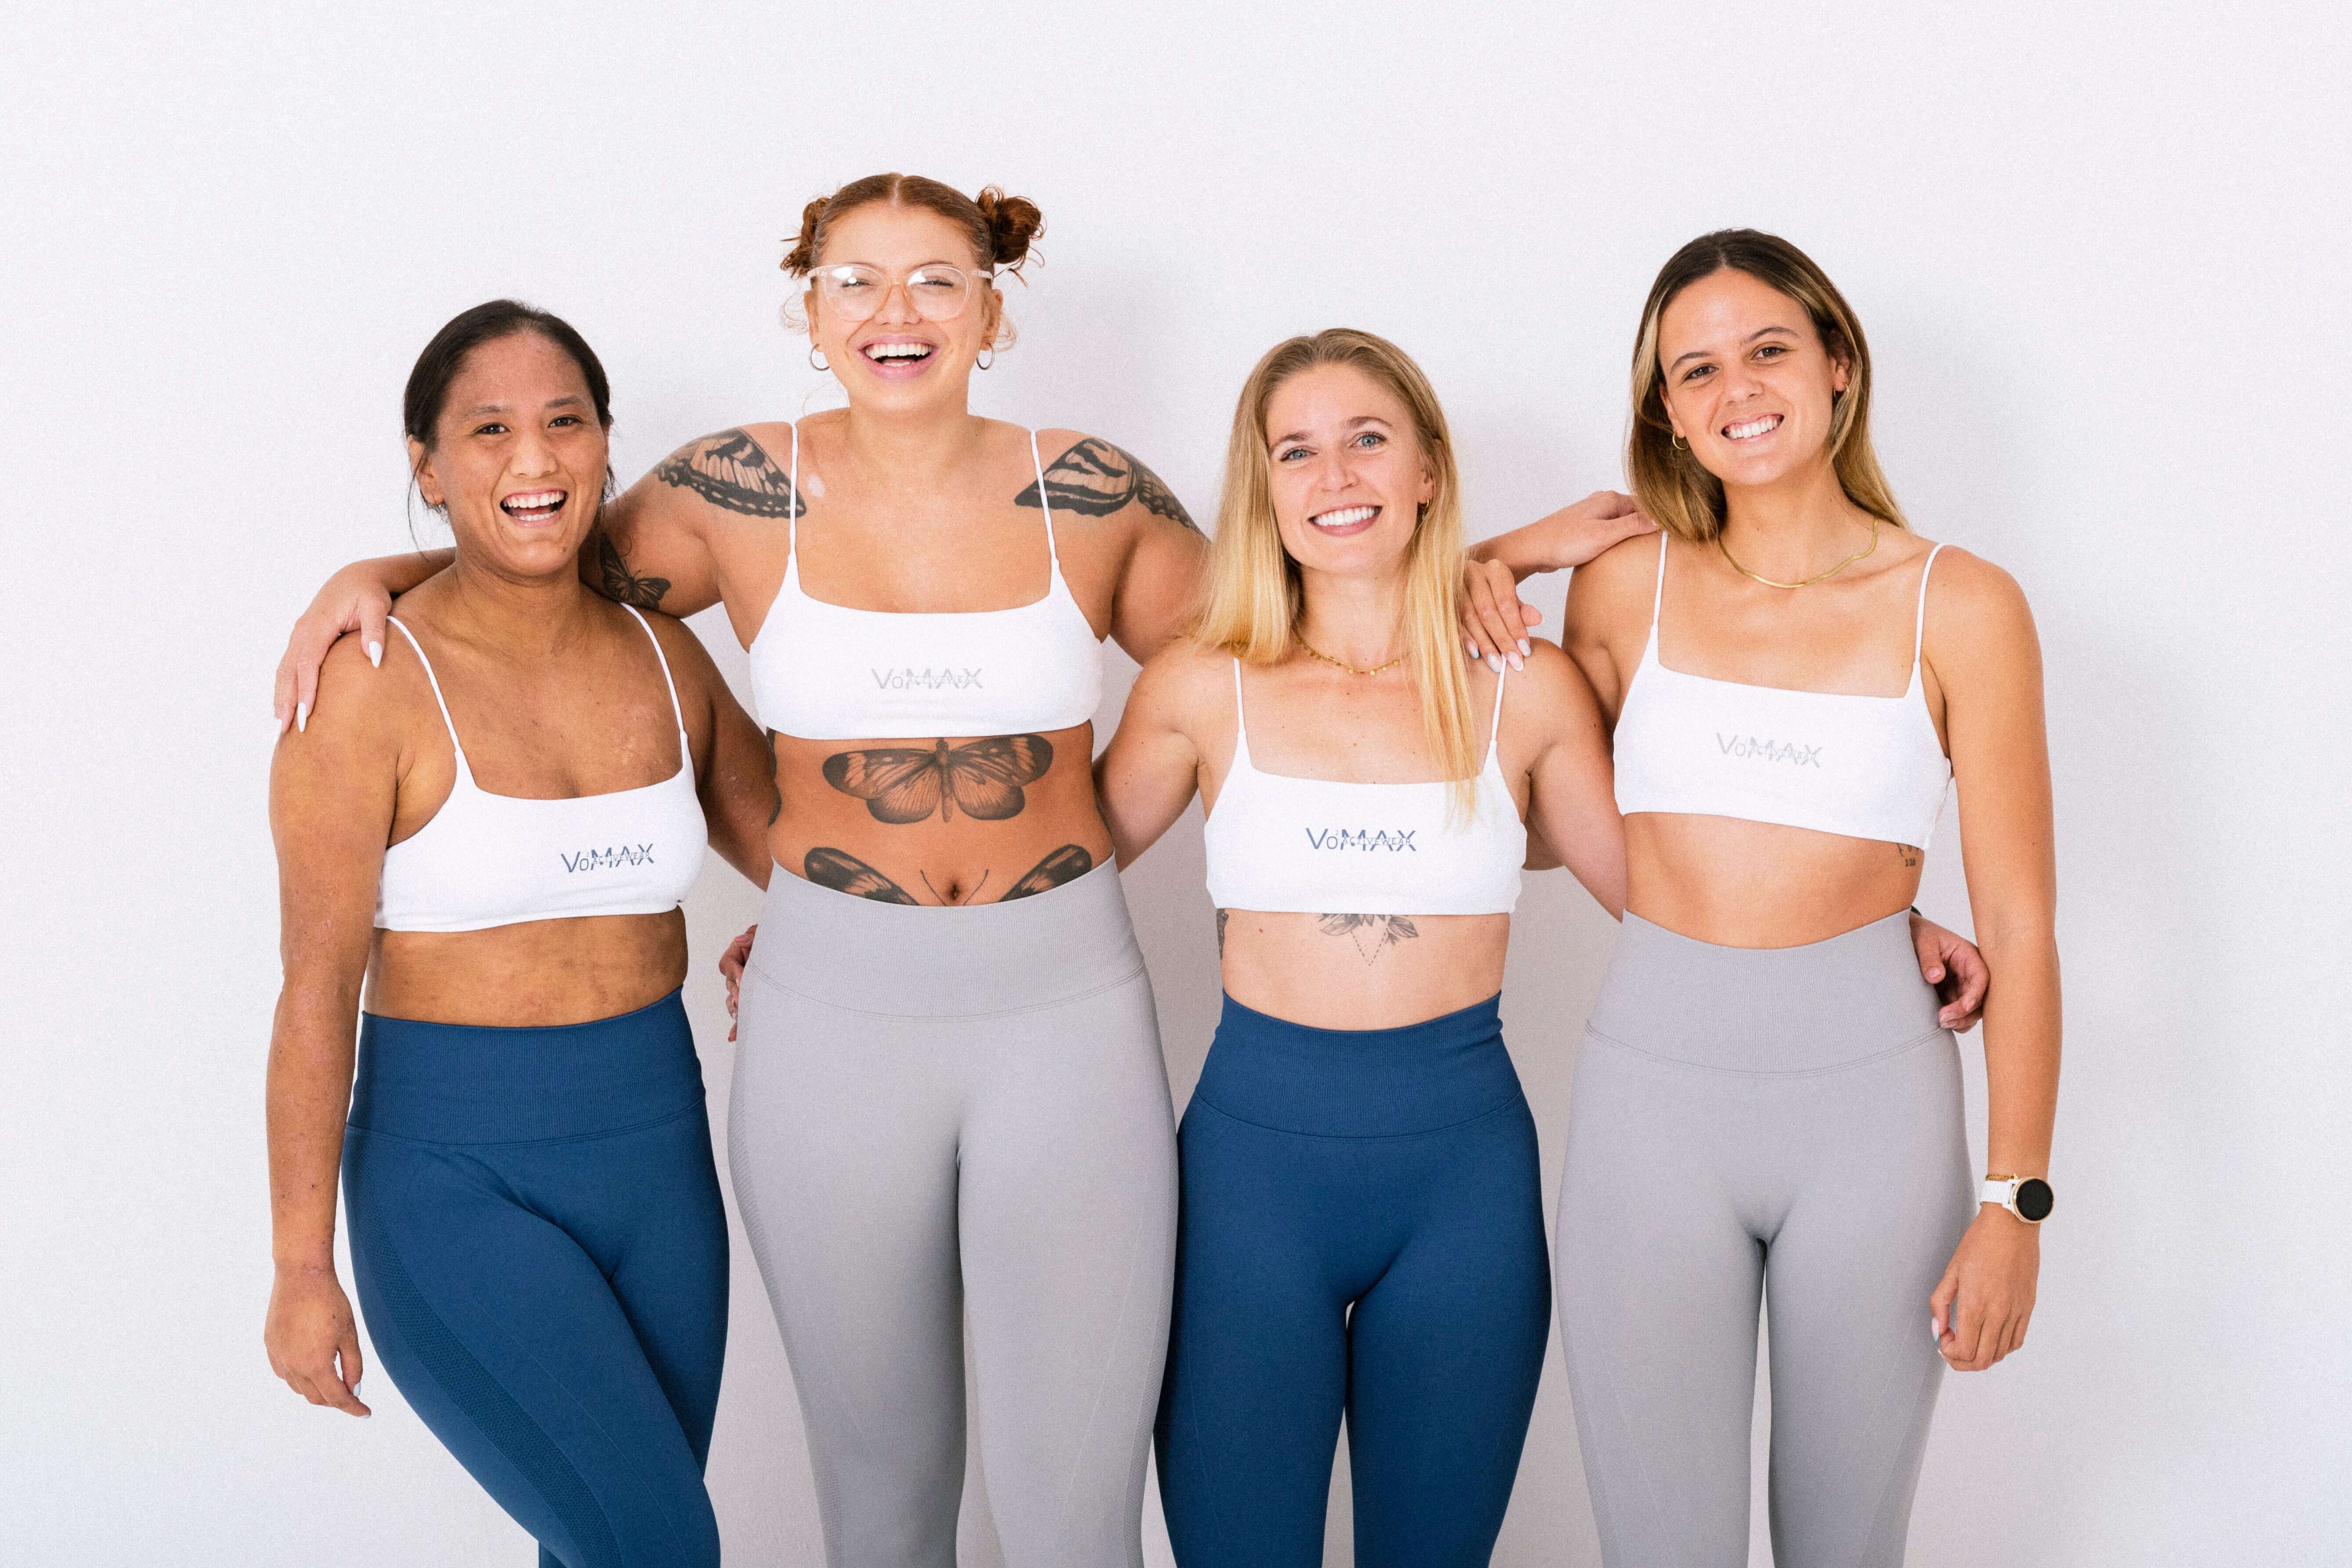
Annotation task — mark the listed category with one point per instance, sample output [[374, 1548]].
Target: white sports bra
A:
[[1868, 767], [499, 859], [1322, 846], [825, 672]]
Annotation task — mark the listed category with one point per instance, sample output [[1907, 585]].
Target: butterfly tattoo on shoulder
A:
[[732, 470], [984, 779], [1096, 478]]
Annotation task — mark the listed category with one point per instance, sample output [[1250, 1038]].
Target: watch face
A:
[[2034, 1199]]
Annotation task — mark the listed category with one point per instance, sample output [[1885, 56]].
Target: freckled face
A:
[[896, 358], [1345, 470], [517, 458], [1745, 379]]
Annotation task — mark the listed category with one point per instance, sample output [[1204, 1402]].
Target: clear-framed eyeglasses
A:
[[855, 292]]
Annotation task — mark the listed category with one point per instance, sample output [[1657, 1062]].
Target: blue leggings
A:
[[541, 1260], [1361, 1231]]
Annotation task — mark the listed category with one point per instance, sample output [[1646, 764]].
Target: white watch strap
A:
[[2001, 1192]]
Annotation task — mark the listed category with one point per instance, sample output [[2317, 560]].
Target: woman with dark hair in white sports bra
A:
[[949, 1109], [488, 839], [1766, 1102]]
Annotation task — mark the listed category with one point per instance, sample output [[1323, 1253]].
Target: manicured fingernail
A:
[[1517, 663], [375, 654], [1937, 973], [1524, 648], [1935, 1328], [1496, 665], [1471, 647], [302, 717]]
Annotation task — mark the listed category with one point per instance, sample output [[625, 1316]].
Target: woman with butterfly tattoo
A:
[[1362, 1229], [950, 1109]]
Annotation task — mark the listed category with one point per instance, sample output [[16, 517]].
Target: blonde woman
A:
[[1361, 1224], [1767, 1100]]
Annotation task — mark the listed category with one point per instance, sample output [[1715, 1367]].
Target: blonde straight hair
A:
[[1667, 480], [1253, 598]]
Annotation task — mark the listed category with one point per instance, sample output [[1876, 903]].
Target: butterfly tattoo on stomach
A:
[[984, 778]]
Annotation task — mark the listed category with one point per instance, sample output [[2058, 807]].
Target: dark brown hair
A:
[[1671, 485], [445, 356], [998, 226], [428, 383]]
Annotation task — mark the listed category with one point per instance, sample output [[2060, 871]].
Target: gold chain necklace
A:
[[1816, 577], [1317, 653]]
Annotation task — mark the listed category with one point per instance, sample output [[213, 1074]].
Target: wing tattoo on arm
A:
[[732, 470], [1096, 478], [901, 784]]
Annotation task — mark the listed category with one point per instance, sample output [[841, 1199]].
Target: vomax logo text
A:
[[1362, 839], [607, 859], [928, 679], [1767, 750]]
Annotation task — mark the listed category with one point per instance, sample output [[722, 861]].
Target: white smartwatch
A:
[[2027, 1197]]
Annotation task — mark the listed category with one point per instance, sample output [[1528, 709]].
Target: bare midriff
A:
[[530, 975], [1736, 883], [1361, 972], [938, 820]]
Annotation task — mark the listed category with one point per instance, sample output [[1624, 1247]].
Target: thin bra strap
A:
[[438, 700], [675, 711], [1051, 558], [792, 507], [1920, 630], [1659, 597], [1240, 722], [1495, 724]]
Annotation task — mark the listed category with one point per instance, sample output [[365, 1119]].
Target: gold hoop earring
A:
[[1681, 445], [816, 360]]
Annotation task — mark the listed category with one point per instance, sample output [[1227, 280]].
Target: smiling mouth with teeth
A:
[[534, 506], [897, 354], [1748, 430], [1346, 517]]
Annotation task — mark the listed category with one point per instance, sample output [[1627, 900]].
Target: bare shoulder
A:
[[1094, 477], [363, 711], [690, 661], [1184, 684], [1549, 692], [1970, 596], [1620, 581]]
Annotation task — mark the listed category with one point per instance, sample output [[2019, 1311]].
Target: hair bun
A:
[[802, 255], [1013, 223]]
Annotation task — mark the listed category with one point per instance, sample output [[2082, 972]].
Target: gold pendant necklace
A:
[[1317, 653], [1816, 577]]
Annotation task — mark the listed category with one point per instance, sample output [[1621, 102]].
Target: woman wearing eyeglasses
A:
[[950, 1105]]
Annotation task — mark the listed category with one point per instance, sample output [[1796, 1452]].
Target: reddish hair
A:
[[998, 227]]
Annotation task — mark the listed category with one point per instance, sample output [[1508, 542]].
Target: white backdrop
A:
[[2101, 256]]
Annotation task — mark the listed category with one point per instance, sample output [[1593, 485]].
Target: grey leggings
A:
[[1751, 1120], [952, 1118]]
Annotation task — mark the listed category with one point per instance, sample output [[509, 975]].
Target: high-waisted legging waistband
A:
[[473, 1083], [965, 962], [1358, 1083], [1826, 1004]]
